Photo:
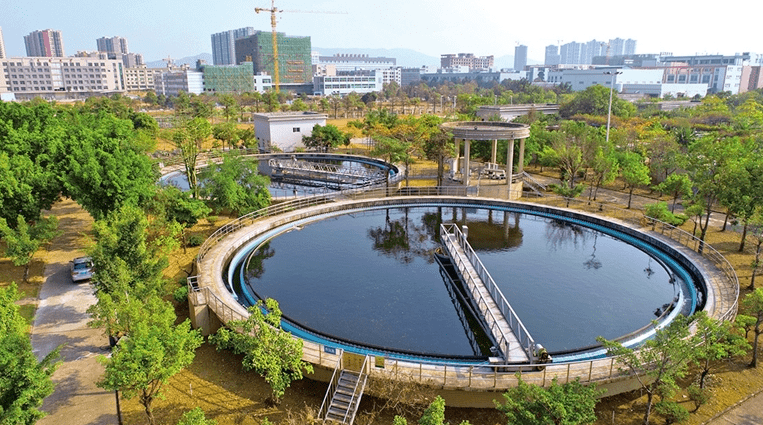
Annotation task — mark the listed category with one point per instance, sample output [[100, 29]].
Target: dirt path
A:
[[61, 319]]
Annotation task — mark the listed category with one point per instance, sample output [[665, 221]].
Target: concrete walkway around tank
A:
[[61, 320]]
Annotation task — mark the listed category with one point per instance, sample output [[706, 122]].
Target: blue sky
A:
[[159, 28]]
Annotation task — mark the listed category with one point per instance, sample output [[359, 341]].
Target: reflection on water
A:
[[370, 277]]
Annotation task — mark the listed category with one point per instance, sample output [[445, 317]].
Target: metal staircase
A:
[[347, 391], [533, 184]]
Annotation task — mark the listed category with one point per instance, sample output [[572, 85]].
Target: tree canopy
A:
[[24, 382], [267, 349]]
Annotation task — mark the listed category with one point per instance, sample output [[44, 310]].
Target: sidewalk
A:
[[748, 412]]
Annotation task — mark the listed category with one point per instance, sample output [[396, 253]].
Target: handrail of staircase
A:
[[355, 391], [332, 386], [528, 177]]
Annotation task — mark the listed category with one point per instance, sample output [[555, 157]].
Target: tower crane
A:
[[273, 11]]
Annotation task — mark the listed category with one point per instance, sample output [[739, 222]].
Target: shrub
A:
[[195, 240], [671, 411], [698, 395], [659, 211], [181, 294], [212, 219]]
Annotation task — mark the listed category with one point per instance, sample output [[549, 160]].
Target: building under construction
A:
[[228, 78], [294, 60]]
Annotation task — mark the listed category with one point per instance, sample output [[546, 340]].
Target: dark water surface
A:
[[370, 277]]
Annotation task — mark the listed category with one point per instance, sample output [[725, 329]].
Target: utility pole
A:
[[611, 89]]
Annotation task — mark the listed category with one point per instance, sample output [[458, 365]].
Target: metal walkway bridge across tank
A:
[[293, 169], [512, 338]]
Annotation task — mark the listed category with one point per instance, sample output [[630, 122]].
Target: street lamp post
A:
[[611, 89]]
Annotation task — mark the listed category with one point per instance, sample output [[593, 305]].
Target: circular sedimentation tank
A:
[[300, 254], [365, 280]]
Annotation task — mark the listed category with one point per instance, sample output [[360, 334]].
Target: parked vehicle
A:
[[81, 269]]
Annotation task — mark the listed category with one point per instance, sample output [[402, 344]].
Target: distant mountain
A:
[[405, 57], [504, 62], [190, 60]]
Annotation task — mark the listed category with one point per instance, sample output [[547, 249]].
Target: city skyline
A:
[[431, 27]]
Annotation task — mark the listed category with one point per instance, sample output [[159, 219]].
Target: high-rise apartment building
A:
[[116, 48], [294, 56], [224, 45], [570, 53], [2, 44], [620, 47], [520, 57], [629, 47], [589, 50], [45, 43], [552, 55], [115, 45]]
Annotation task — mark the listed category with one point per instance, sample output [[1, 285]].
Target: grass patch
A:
[[27, 311]]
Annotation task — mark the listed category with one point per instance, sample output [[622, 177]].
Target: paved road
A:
[[61, 319]]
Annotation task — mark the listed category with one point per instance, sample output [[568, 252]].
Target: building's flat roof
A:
[[274, 116]]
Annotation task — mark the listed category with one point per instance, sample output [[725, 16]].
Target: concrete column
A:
[[506, 226], [521, 165], [456, 166], [509, 162], [467, 146], [494, 152]]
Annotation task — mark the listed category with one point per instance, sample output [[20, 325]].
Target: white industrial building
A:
[[284, 130], [645, 81], [345, 83], [172, 83]]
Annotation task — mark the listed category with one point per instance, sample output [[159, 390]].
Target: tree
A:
[[176, 206], [634, 172], [325, 137], [660, 361], [225, 132], [742, 183], [126, 252], [23, 241], [104, 166], [188, 137], [24, 382], [705, 163], [153, 351], [267, 349], [574, 148], [230, 106], [605, 169], [716, 340], [595, 101], [677, 185], [235, 185], [151, 98], [757, 220], [438, 147], [571, 403], [753, 304]]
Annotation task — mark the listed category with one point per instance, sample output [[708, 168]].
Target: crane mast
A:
[[273, 10]]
